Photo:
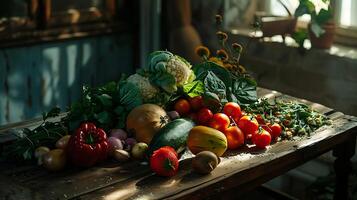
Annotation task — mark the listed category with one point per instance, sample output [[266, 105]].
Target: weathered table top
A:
[[243, 169]]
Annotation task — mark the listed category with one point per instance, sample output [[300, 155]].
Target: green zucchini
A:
[[173, 134]]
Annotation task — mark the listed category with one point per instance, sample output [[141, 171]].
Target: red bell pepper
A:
[[87, 146]]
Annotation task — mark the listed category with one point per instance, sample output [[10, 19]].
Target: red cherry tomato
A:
[[275, 130], [261, 139], [248, 124], [232, 110], [204, 115], [219, 121], [182, 106], [235, 137], [196, 103]]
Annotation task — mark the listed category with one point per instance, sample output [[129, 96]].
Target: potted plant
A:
[[321, 27]]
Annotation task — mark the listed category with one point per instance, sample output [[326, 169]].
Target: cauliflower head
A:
[[147, 90], [169, 71]]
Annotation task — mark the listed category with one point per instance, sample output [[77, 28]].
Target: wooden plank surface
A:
[[134, 180]]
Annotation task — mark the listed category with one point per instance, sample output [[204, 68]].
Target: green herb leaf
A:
[[193, 89]]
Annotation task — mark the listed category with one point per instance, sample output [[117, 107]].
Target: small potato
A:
[[121, 155], [139, 150], [205, 162]]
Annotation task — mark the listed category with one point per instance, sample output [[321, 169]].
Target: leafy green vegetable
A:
[[245, 90], [297, 119], [226, 85], [202, 69], [193, 89], [215, 85], [46, 134], [107, 105]]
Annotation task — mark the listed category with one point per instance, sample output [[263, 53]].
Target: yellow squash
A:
[[202, 138]]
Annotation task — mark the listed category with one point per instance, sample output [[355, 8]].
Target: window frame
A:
[[43, 26]]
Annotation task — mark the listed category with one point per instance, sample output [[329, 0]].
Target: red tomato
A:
[[260, 119], [219, 121], [266, 127], [196, 103], [164, 161], [204, 115], [182, 106], [275, 130], [235, 137], [261, 139], [232, 110], [248, 124]]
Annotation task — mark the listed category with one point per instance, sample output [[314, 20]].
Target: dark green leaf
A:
[[105, 100], [109, 88], [323, 16], [119, 110], [215, 85], [201, 70], [305, 7], [300, 36], [245, 90], [164, 80], [130, 96], [103, 117], [54, 112], [193, 89]]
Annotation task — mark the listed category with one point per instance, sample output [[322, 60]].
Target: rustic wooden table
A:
[[239, 171]]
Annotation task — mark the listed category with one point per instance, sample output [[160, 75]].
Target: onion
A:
[[118, 133], [114, 144], [130, 142], [173, 115], [40, 152], [145, 121], [62, 143], [55, 160]]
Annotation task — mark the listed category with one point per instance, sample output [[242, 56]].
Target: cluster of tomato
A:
[[238, 126]]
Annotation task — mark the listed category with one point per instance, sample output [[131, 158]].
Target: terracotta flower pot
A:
[[324, 41]]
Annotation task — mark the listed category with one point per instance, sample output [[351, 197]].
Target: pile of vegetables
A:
[[165, 107]]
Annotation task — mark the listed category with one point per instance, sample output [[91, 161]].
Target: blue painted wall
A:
[[35, 78]]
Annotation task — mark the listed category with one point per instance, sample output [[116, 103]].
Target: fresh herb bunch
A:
[[46, 134], [297, 119], [107, 106]]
